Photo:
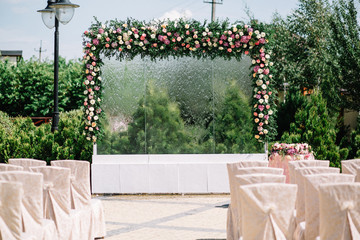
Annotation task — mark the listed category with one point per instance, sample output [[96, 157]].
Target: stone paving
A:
[[166, 217]]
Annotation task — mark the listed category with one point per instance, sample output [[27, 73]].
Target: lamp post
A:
[[57, 11]]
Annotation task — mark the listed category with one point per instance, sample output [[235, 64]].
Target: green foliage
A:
[[315, 126], [21, 139], [294, 101], [27, 89], [353, 144], [234, 123]]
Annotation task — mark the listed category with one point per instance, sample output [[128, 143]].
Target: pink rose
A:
[[96, 41], [266, 71], [256, 68], [101, 31]]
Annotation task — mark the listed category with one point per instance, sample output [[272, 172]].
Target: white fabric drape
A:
[[26, 163], [312, 183], [267, 211], [350, 166], [10, 167], [339, 211], [305, 163], [32, 204], [81, 198]]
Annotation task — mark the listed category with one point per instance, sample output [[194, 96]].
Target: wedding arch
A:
[[183, 37]]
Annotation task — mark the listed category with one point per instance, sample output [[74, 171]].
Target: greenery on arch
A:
[[183, 37]]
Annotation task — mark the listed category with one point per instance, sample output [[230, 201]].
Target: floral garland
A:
[[126, 39], [291, 149]]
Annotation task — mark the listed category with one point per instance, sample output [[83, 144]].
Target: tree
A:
[[233, 124], [157, 126], [314, 125], [345, 51]]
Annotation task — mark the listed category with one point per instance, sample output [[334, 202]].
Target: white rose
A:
[[91, 129], [103, 26], [96, 118], [91, 109], [206, 30], [266, 96], [92, 101], [92, 82], [119, 38], [261, 115], [152, 35], [98, 36], [263, 86], [87, 82], [91, 67], [267, 56], [99, 100], [88, 58], [99, 78], [121, 42], [162, 48], [230, 39], [256, 32], [187, 26], [136, 35], [196, 42], [91, 114], [259, 82], [128, 46], [261, 76], [270, 112], [241, 33], [253, 61], [215, 44], [86, 92], [260, 70], [87, 111], [209, 43], [144, 48], [244, 46], [221, 48], [234, 29], [271, 63], [129, 33], [265, 131], [204, 44], [141, 44], [263, 34], [93, 48], [88, 138], [261, 101], [204, 34]]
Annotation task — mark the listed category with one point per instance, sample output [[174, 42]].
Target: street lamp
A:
[[57, 11]]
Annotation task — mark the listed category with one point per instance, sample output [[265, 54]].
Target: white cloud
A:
[[20, 10], [175, 14]]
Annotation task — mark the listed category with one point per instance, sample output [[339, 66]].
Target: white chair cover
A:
[[57, 201], [10, 167], [241, 180], [357, 178], [32, 204], [305, 163], [349, 166], [339, 211], [312, 183], [231, 230], [27, 162], [254, 170], [81, 197], [11, 194], [300, 199], [268, 211]]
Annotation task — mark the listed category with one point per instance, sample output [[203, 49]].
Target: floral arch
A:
[[126, 39]]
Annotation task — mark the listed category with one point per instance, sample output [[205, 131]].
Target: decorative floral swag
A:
[[126, 39], [291, 149]]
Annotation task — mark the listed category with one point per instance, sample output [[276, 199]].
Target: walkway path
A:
[[169, 217]]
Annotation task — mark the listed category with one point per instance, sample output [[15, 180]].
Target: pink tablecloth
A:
[[282, 161]]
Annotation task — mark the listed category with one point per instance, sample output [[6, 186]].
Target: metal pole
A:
[[55, 121], [213, 10]]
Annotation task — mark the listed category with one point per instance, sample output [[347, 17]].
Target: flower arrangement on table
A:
[[292, 149], [183, 37]]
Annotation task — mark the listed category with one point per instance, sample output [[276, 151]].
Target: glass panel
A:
[[167, 106]]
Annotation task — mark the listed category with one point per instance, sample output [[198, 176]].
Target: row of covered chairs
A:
[[53, 202], [318, 202]]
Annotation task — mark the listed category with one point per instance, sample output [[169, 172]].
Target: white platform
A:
[[168, 173]]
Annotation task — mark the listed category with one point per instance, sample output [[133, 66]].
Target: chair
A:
[[254, 170], [231, 230], [81, 196], [349, 166], [26, 163], [241, 180], [268, 211], [305, 163], [11, 194], [10, 167], [357, 178], [339, 211], [312, 183], [57, 203], [32, 204], [300, 199]]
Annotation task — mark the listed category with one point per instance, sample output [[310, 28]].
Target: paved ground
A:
[[166, 217]]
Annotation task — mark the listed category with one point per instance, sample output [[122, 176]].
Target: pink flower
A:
[[229, 50], [93, 63], [255, 114], [114, 44], [258, 96], [266, 117], [89, 77], [101, 31], [262, 40], [267, 106], [256, 68], [244, 39], [261, 107], [250, 29], [96, 88], [96, 41], [266, 71], [107, 39]]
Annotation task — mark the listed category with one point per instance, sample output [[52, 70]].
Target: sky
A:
[[21, 26]]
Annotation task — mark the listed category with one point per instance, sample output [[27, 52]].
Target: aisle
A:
[[189, 217]]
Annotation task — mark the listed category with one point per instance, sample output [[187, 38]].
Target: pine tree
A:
[[157, 126], [234, 123], [314, 125]]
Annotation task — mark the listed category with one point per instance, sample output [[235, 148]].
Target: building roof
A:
[[11, 53]]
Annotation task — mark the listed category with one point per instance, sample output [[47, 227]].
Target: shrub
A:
[[315, 126], [21, 139]]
